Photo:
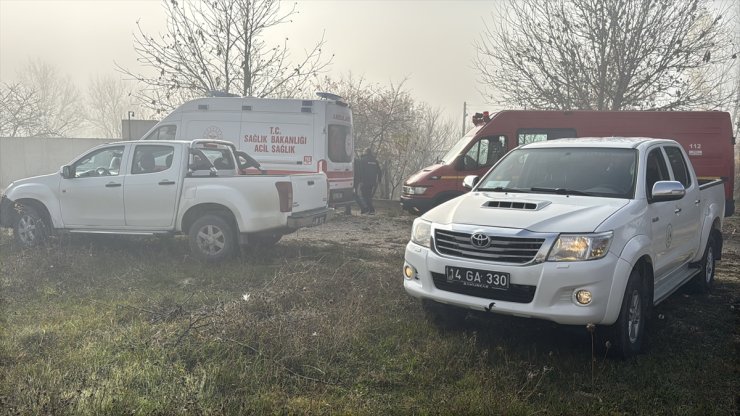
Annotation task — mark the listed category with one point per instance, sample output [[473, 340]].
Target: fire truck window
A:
[[539, 135], [340, 143], [678, 164]]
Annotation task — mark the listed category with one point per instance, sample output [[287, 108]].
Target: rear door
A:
[[152, 186], [687, 212]]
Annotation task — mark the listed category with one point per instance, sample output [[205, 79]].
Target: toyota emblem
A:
[[480, 240]]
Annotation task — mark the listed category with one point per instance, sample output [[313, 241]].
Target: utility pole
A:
[[465, 114]]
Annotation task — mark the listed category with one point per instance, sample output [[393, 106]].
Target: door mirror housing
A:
[[667, 191], [470, 181], [67, 172]]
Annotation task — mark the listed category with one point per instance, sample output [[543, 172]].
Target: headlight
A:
[[577, 247], [414, 190], [421, 232]]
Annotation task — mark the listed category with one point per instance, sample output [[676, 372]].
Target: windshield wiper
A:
[[501, 189], [560, 191]]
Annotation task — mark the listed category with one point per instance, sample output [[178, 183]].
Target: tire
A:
[[30, 229], [628, 333], [212, 238], [704, 281], [444, 316]]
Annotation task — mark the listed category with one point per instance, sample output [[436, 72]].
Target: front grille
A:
[[517, 250], [515, 293]]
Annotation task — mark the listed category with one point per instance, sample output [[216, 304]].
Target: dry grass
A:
[[119, 326]]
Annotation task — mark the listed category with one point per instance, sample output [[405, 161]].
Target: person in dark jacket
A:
[[367, 177]]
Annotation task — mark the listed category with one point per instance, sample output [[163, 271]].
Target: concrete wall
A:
[[21, 157]]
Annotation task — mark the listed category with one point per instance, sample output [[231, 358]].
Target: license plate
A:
[[319, 220], [483, 279]]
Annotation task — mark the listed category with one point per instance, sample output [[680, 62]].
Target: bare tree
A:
[[218, 45], [606, 55], [43, 103], [404, 134], [19, 109], [109, 100]]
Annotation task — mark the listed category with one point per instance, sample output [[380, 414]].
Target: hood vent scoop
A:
[[519, 205]]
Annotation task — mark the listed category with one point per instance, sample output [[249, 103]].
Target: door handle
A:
[[112, 185], [697, 202], [677, 210], [166, 182]]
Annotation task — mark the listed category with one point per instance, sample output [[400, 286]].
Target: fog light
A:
[[583, 297], [409, 271]]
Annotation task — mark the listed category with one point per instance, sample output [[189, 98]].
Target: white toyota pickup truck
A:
[[165, 187], [575, 231]]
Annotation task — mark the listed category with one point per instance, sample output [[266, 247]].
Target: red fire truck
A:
[[706, 136]]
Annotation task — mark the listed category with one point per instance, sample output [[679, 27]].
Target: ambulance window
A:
[[163, 133], [339, 143], [540, 135]]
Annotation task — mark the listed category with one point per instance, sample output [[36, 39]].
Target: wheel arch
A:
[[197, 211], [38, 206]]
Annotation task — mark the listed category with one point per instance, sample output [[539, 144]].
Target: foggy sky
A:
[[430, 42]]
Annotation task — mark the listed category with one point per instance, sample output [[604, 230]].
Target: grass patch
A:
[[118, 326]]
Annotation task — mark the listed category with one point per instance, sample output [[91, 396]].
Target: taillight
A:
[[285, 193]]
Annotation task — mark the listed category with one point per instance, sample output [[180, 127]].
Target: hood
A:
[[51, 180], [422, 174], [533, 212]]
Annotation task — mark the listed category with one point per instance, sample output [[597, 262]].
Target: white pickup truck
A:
[[165, 187], [575, 231]]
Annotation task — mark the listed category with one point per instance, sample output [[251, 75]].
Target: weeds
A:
[[136, 326]]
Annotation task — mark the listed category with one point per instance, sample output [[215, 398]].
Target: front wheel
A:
[[704, 281], [30, 229], [212, 238], [629, 330]]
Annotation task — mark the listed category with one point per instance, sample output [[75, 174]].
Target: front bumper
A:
[[417, 205], [541, 290], [310, 218]]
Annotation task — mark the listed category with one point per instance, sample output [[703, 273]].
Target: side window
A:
[[485, 152], [678, 165], [152, 158], [525, 136], [655, 170], [101, 162], [162, 133]]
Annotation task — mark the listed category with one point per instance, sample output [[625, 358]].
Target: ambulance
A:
[[285, 135]]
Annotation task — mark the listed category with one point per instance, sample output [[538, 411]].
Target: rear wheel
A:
[[704, 281], [628, 333], [212, 238], [30, 229]]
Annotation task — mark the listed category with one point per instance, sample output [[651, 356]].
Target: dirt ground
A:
[[387, 232]]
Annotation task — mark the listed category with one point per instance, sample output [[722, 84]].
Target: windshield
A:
[[459, 146], [572, 171]]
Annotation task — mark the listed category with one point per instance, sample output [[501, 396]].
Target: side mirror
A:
[[245, 161], [470, 181], [667, 191], [67, 172]]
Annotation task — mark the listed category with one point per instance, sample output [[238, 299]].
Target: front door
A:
[[93, 197]]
